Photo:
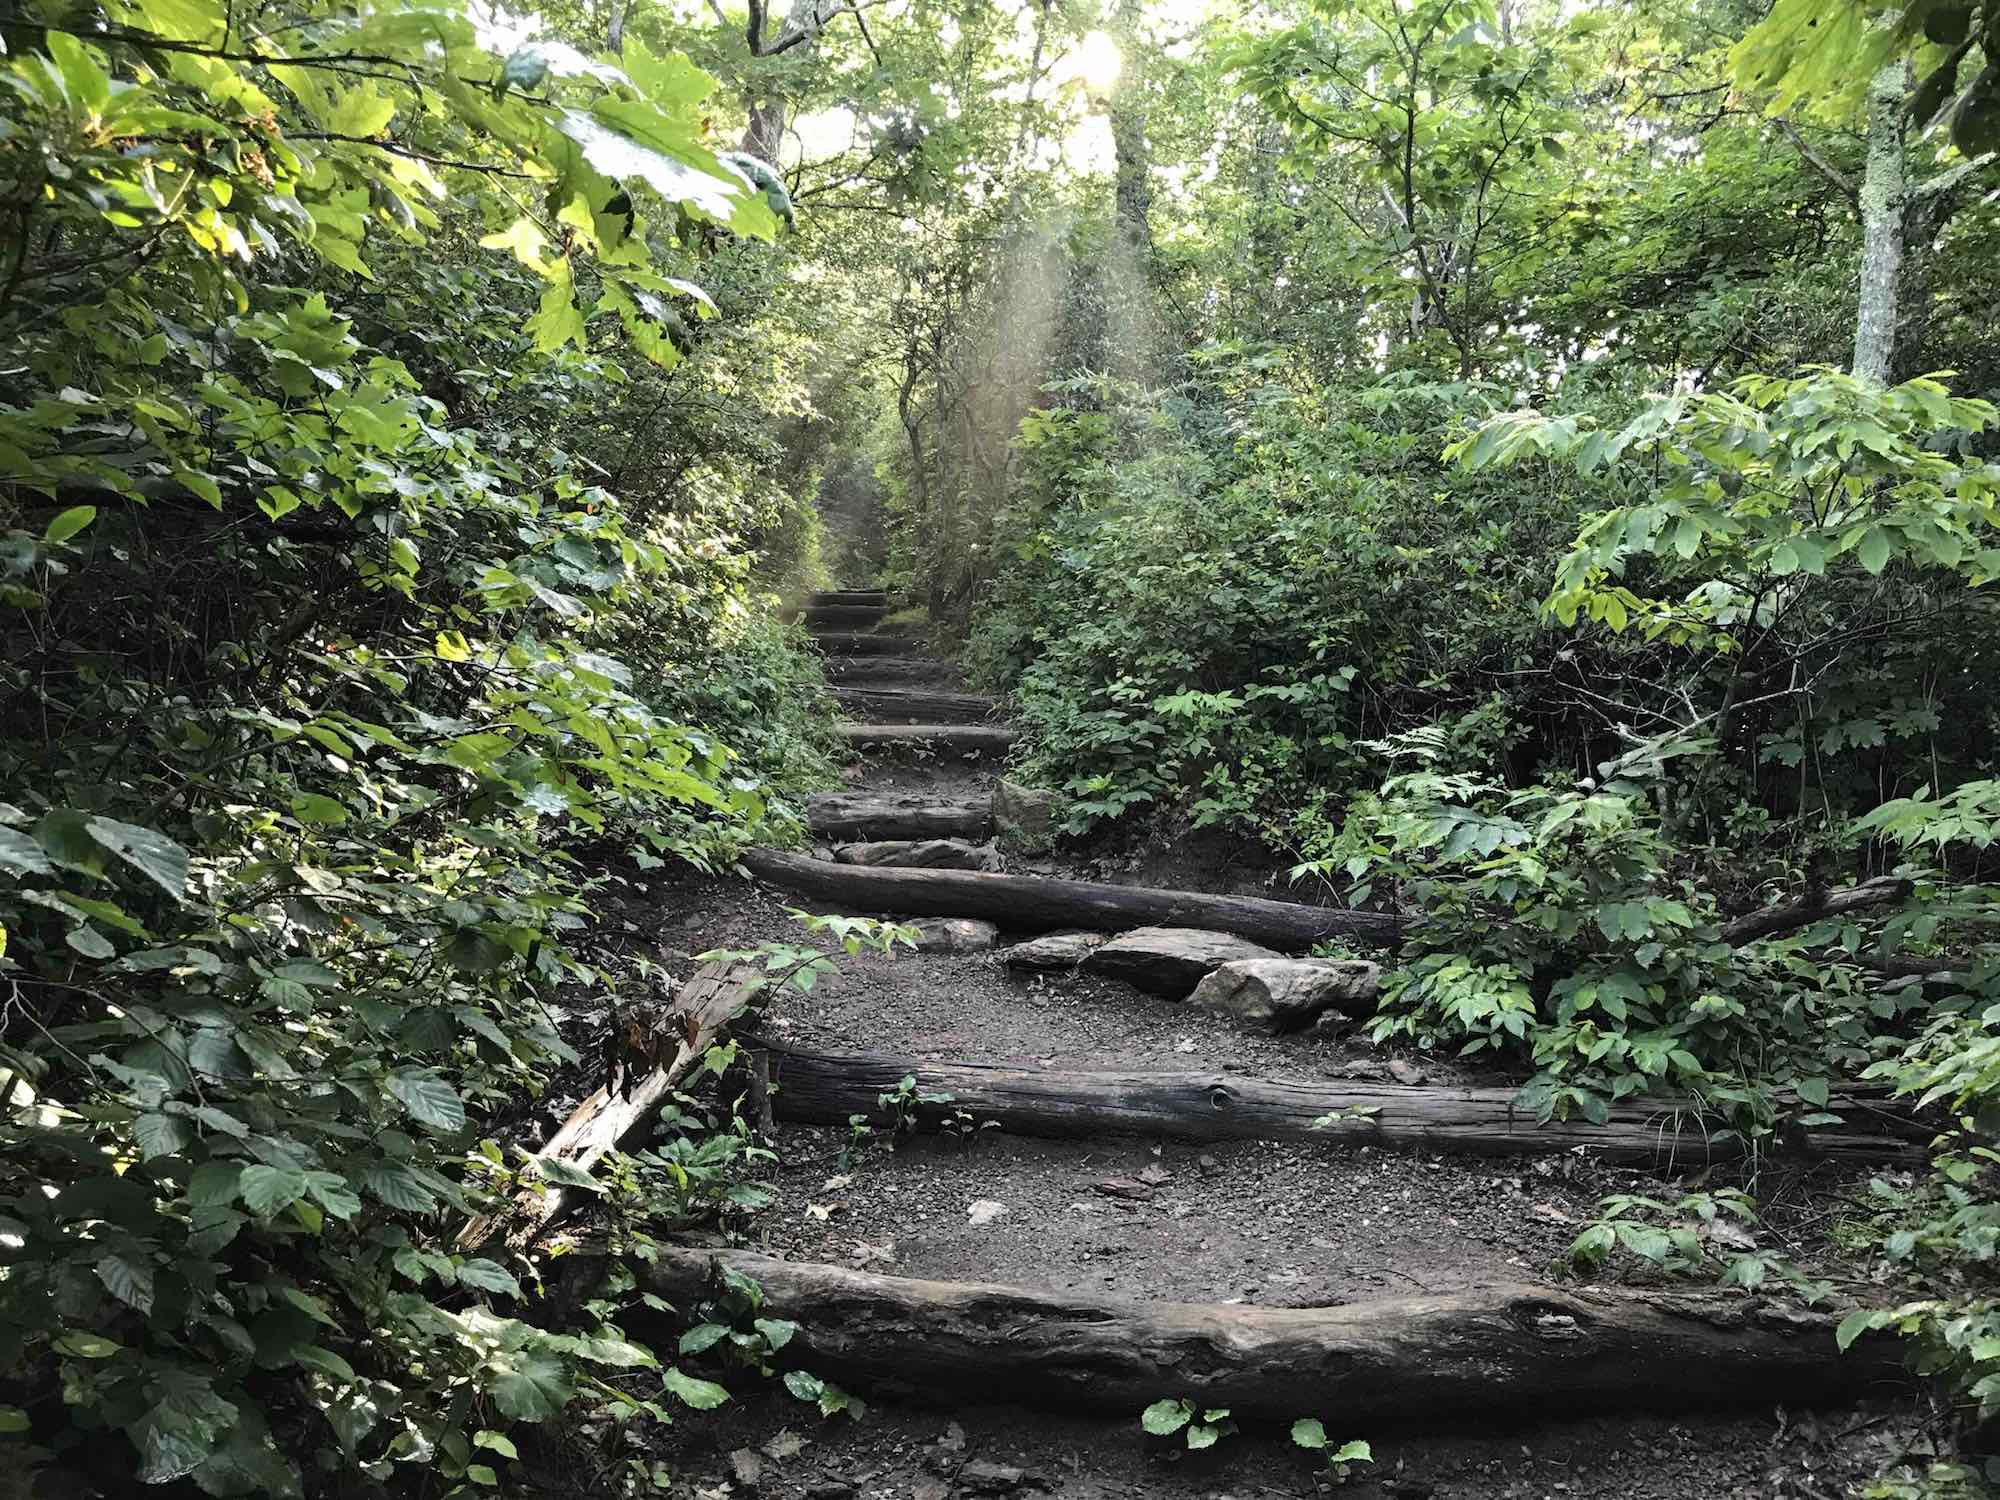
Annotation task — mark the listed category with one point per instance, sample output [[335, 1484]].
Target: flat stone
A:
[[1058, 950], [983, 1477], [921, 854], [955, 935], [1170, 961], [1286, 994]]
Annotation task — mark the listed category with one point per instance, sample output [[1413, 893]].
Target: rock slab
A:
[[1024, 813], [1170, 961], [955, 935], [1285, 994], [1059, 950]]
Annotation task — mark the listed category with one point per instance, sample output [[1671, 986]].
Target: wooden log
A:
[[1791, 915], [1666, 1134], [846, 816], [945, 739], [915, 705], [1025, 903], [874, 643], [844, 616], [886, 669], [713, 996], [877, 597], [1533, 1350]]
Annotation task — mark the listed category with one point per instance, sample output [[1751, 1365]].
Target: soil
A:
[[1276, 1224]]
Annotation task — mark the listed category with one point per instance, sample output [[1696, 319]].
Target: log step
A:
[[1025, 903], [872, 670], [844, 616], [1415, 1360], [874, 643], [950, 739], [922, 705], [877, 598], [847, 816], [1660, 1134]]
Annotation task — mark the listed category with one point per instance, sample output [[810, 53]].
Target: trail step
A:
[[871, 670], [852, 816], [952, 739], [917, 705], [1506, 1348], [1659, 1134], [1027, 903], [878, 598], [843, 616], [854, 643]]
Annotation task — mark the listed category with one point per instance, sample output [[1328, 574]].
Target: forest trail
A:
[[1087, 1201]]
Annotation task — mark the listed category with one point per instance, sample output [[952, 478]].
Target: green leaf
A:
[[311, 807], [498, 1442], [486, 1276], [69, 523], [21, 855], [1309, 1432], [528, 1387], [1875, 549], [129, 1280], [429, 1099], [1164, 1417], [702, 1395], [147, 850], [266, 1190], [703, 1337], [1856, 1323]]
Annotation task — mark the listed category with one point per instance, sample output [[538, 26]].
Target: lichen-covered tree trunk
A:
[[1884, 189]]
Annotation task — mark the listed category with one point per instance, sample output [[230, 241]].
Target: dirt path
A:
[[1272, 1224]]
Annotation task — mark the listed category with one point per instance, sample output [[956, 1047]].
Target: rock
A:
[[1131, 1189], [1285, 994], [983, 1211], [1170, 961], [1058, 950], [955, 935], [930, 1489], [1024, 814], [921, 854], [983, 1477], [1407, 1073], [830, 1489], [747, 1467]]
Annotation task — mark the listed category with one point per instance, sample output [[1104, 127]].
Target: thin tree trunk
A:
[[1884, 190]]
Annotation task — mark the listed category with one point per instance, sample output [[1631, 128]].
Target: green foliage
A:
[[1310, 1433], [1198, 1426], [327, 656], [1700, 1234], [1555, 925]]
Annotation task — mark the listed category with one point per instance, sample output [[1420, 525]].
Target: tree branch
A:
[[1821, 165], [1944, 182], [1811, 908]]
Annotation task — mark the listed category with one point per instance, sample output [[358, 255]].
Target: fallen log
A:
[[916, 705], [874, 643], [844, 616], [713, 996], [920, 854], [947, 739], [878, 597], [1511, 1348], [1667, 1134], [1789, 916], [1025, 903], [885, 669], [873, 815]]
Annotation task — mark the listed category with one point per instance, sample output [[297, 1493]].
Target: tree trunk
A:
[[1884, 190], [873, 815], [713, 996], [1660, 1134], [1521, 1349], [1134, 186], [1026, 903]]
